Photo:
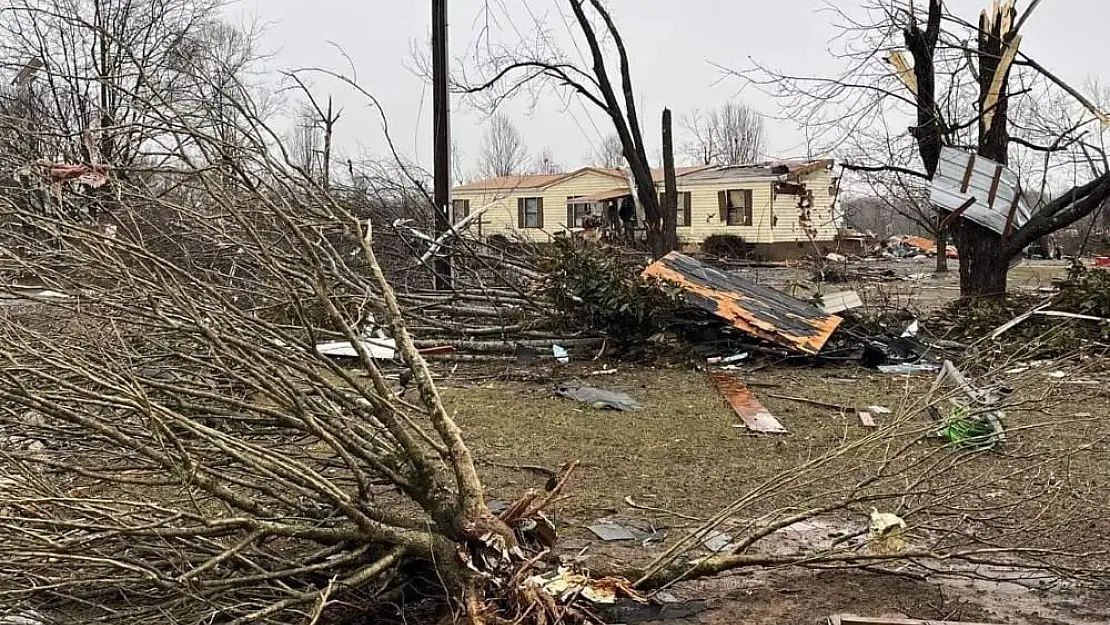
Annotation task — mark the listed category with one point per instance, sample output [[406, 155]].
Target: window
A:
[[576, 212], [683, 207], [529, 212], [460, 210], [736, 206]]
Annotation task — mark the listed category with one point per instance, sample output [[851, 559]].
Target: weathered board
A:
[[751, 411]]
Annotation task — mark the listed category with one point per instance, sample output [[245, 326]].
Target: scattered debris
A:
[[524, 353], [1068, 315], [973, 419], [560, 354], [596, 397], [832, 303], [879, 410], [718, 360], [909, 368], [26, 617], [611, 532], [911, 330], [380, 349], [812, 402], [605, 371], [566, 585], [715, 540], [752, 308], [979, 189], [902, 354], [884, 533], [754, 415], [1011, 324], [866, 419]]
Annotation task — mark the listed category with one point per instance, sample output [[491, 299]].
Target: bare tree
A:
[[730, 135], [93, 79], [313, 136], [503, 152], [609, 153], [985, 95], [458, 173], [547, 163], [505, 71], [307, 142]]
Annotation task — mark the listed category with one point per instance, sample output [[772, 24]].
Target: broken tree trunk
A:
[[670, 194]]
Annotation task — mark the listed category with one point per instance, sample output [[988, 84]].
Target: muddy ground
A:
[[684, 454]]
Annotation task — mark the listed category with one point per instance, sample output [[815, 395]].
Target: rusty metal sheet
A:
[[752, 308], [751, 411]]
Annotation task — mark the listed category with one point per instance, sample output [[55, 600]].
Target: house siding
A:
[[705, 218], [501, 218]]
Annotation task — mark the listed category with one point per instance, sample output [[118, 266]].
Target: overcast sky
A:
[[675, 48]]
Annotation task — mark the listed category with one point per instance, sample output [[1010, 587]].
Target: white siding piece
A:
[[833, 303], [949, 180]]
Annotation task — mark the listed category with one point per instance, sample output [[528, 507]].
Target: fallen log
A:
[[508, 347]]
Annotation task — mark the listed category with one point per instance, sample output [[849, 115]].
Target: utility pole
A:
[[670, 186], [441, 146]]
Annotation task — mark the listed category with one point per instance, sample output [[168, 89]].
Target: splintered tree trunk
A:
[[670, 205], [984, 255]]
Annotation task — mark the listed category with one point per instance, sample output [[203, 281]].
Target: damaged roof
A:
[[753, 308], [540, 181], [769, 169]]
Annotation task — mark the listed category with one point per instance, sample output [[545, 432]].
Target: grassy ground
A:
[[683, 453]]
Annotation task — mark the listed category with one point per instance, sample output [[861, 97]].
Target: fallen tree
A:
[[176, 448]]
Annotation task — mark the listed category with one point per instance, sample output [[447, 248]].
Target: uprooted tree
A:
[[970, 86], [175, 447], [505, 71]]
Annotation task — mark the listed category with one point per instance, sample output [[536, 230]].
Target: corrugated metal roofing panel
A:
[[989, 210], [748, 306]]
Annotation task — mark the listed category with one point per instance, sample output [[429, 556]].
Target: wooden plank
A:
[[865, 419], [967, 173], [995, 179], [751, 411]]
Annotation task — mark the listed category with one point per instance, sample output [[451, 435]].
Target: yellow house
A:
[[780, 209]]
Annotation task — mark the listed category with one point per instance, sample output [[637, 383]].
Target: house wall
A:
[[501, 218], [823, 214], [705, 212]]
